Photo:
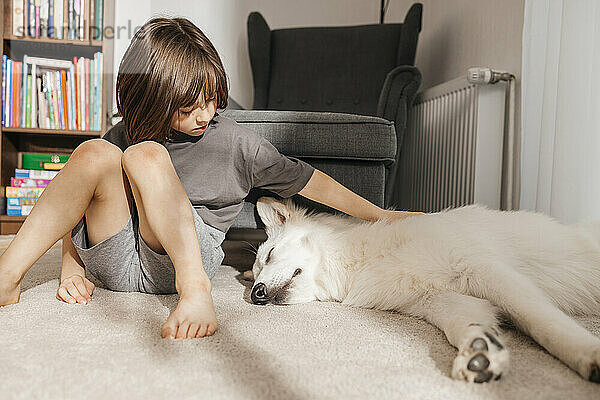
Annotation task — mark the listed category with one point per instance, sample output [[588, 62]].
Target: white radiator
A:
[[452, 154]]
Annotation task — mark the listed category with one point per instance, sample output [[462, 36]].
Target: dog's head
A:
[[287, 261]]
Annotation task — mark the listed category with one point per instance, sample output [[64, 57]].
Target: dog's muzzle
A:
[[259, 294]]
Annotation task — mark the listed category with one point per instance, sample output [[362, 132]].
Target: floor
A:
[[111, 349]]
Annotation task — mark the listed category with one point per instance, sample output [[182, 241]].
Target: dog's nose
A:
[[259, 294]]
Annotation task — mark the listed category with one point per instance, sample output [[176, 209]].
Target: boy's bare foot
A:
[[10, 289], [194, 317]]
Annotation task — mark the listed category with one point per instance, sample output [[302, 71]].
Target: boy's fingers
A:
[[90, 287], [82, 289], [74, 292], [64, 295]]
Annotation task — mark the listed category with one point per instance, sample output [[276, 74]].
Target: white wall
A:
[[224, 22], [456, 34]]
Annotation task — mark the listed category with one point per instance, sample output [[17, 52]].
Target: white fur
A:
[[459, 269]]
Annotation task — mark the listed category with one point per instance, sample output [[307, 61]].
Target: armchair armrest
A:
[[397, 95]]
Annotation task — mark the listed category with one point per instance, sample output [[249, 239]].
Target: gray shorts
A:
[[125, 263]]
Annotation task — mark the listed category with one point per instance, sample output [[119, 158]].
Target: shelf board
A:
[[88, 43], [63, 132], [12, 218]]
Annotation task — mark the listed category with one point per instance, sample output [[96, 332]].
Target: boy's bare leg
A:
[[167, 225], [57, 211]]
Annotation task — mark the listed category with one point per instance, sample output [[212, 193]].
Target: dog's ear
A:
[[272, 212]]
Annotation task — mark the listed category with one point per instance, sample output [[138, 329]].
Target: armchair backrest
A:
[[336, 69]]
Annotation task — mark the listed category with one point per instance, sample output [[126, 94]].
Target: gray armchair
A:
[[336, 97]]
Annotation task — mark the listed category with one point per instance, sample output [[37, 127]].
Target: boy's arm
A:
[[325, 190]]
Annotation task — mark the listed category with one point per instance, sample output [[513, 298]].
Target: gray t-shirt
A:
[[218, 168]]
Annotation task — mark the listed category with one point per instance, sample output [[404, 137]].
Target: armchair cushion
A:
[[319, 135]]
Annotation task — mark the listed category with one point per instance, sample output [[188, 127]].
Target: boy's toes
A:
[[167, 331], [201, 331], [192, 331], [182, 330]]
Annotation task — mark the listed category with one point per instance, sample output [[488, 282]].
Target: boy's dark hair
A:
[[168, 65]]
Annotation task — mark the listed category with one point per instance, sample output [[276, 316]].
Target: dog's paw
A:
[[481, 357], [589, 366]]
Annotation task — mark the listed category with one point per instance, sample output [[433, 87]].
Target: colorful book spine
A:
[[51, 25], [21, 201], [65, 109], [54, 92], [71, 31], [99, 19], [17, 101], [4, 61], [28, 106], [24, 94], [18, 18], [71, 85], [58, 18], [31, 18], [40, 100], [29, 182], [33, 91], [56, 75], [87, 93], [18, 210], [37, 18], [44, 18], [34, 173], [9, 83], [77, 103], [23, 191]]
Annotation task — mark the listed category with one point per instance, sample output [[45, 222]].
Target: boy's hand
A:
[[75, 289], [394, 215]]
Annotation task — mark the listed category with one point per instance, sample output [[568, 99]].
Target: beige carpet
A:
[[111, 349]]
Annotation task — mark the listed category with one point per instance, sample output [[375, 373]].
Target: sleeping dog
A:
[[462, 270]]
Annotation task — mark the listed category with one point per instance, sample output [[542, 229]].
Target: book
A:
[[51, 24], [44, 18], [54, 166], [17, 94], [28, 106], [37, 18], [23, 191], [28, 182], [19, 210], [99, 19], [4, 104], [34, 173], [39, 160], [86, 72], [63, 83], [54, 93], [31, 18], [33, 92], [24, 94], [41, 121], [58, 18], [9, 84], [21, 201], [76, 99], [17, 17], [71, 21]]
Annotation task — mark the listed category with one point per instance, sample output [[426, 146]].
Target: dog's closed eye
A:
[[269, 255]]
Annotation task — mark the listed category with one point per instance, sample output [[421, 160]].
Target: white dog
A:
[[461, 270]]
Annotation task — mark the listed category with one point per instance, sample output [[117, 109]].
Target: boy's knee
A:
[[98, 152], [147, 153]]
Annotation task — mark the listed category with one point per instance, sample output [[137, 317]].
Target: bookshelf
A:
[[60, 141]]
